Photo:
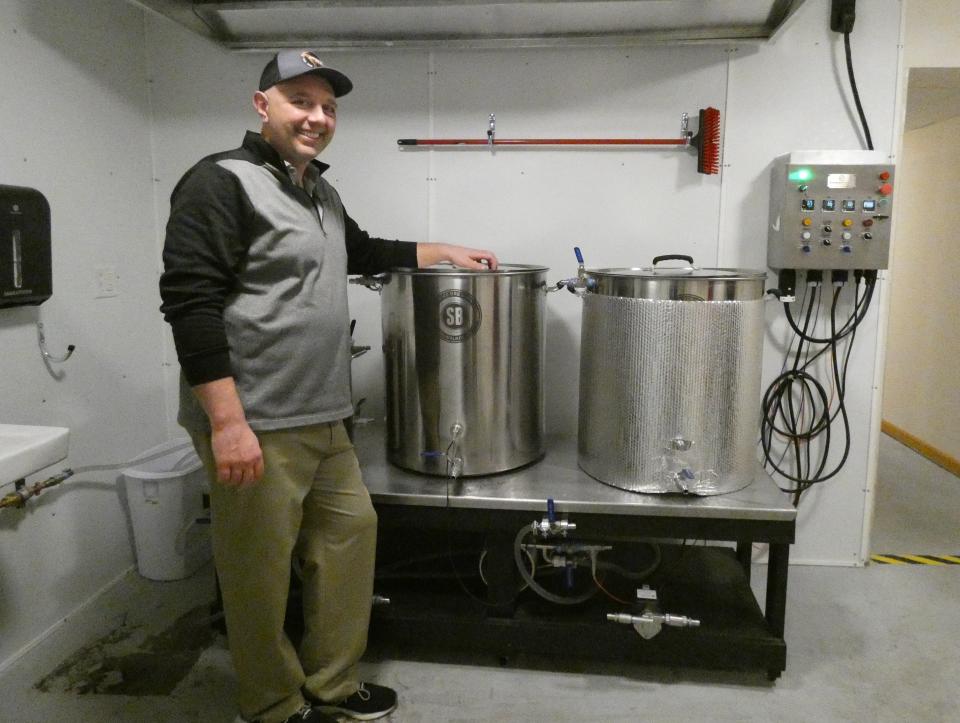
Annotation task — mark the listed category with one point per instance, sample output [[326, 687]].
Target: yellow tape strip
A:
[[923, 560], [887, 560], [951, 558]]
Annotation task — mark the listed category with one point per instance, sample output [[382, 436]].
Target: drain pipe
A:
[[23, 493]]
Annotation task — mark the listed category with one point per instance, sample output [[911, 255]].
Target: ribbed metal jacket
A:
[[255, 287]]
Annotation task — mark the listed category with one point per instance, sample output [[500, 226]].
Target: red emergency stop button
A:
[[884, 175], [886, 189]]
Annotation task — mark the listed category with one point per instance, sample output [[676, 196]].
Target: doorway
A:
[[917, 500]]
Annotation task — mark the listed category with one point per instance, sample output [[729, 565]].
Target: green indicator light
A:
[[800, 174]]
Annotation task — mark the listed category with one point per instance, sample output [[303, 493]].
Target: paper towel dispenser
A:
[[25, 259]]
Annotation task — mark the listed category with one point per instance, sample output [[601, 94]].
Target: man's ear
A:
[[260, 104]]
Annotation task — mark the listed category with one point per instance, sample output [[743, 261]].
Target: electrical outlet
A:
[[107, 282], [843, 13]]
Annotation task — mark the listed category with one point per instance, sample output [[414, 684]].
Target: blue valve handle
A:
[[568, 577], [576, 250], [551, 512]]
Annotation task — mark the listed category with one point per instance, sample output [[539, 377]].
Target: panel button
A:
[[807, 221], [868, 222], [886, 189], [848, 222], [884, 175], [805, 235], [846, 235]]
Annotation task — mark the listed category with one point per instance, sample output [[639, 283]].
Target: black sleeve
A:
[[370, 255], [206, 241]]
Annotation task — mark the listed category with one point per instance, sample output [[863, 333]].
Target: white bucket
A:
[[165, 495]]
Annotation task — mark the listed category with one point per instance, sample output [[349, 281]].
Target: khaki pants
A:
[[310, 503]]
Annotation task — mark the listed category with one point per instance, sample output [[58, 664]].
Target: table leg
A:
[[745, 556], [776, 607]]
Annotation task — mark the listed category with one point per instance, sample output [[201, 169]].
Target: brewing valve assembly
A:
[[550, 526], [649, 623], [581, 283]]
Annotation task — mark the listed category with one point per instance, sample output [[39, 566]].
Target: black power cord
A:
[[856, 93], [797, 408], [843, 14]]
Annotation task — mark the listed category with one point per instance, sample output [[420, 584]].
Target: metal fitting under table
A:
[[709, 582]]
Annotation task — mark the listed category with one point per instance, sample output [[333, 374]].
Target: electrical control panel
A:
[[830, 210]]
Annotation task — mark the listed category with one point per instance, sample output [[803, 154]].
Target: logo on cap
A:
[[310, 59]]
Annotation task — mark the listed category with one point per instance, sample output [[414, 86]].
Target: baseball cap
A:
[[289, 64]]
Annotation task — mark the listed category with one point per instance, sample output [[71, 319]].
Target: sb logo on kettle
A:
[[460, 315]]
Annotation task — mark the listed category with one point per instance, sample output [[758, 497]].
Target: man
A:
[[257, 251]]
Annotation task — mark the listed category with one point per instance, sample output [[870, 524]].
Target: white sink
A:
[[28, 449]]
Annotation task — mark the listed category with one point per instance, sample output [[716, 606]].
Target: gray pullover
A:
[[255, 287]]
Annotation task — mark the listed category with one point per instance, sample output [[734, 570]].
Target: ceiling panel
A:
[[337, 24]]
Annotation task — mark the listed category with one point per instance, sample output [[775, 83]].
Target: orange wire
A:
[[608, 593]]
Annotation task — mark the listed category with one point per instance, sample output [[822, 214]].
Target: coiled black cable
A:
[[796, 394]]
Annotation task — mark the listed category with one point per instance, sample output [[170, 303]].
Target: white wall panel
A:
[[792, 94], [532, 206], [76, 126]]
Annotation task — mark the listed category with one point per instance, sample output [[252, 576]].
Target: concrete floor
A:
[[872, 644]]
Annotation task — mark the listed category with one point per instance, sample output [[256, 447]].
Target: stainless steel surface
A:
[[460, 24], [464, 356], [687, 284], [557, 477], [669, 381]]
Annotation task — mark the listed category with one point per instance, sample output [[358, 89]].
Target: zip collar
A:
[[256, 144]]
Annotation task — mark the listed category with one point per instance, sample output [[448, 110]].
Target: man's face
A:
[[299, 117]]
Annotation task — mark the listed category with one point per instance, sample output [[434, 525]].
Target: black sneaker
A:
[[309, 714], [306, 714], [369, 702]]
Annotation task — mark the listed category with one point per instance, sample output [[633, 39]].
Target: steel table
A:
[[713, 584]]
